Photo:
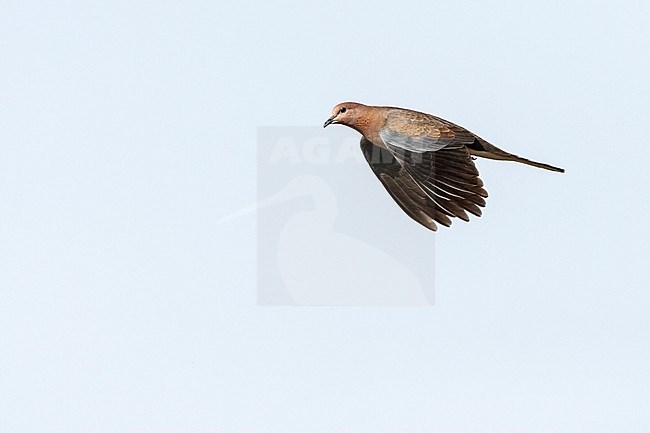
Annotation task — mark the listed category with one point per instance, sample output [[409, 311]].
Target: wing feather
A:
[[427, 169], [413, 200]]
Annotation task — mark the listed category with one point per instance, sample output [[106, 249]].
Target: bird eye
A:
[[343, 110]]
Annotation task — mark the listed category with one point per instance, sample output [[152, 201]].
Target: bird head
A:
[[345, 113]]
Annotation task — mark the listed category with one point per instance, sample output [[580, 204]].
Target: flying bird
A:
[[425, 163]]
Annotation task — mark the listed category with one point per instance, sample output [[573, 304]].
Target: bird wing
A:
[[402, 187], [420, 132], [427, 170]]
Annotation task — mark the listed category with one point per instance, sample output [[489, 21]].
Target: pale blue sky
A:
[[128, 129]]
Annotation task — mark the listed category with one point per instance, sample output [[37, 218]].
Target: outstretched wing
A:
[[427, 169], [402, 187]]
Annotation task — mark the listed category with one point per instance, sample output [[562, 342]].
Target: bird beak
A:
[[329, 121]]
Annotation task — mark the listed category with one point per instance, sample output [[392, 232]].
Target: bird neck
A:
[[369, 122]]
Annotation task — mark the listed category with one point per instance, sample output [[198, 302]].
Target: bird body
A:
[[424, 162]]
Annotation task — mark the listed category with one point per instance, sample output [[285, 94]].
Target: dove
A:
[[426, 163]]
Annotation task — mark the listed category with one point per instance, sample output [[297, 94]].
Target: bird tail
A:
[[490, 151], [535, 163]]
